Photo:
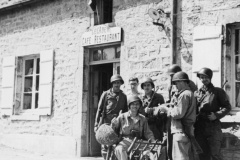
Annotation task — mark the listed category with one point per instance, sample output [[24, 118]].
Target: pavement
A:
[[7, 153]]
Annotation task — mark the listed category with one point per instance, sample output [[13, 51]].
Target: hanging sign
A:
[[101, 34]]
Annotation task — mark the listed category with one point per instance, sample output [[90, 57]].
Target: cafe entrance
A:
[[104, 62]]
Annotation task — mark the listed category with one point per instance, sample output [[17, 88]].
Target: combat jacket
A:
[[212, 99], [124, 124], [183, 111], [109, 106], [155, 122]]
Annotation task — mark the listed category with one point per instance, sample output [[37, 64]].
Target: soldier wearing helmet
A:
[[130, 125], [182, 114], [110, 104], [172, 89], [150, 101], [212, 105]]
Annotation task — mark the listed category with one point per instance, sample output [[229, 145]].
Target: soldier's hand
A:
[[212, 116], [148, 110], [113, 122], [95, 129], [163, 108]]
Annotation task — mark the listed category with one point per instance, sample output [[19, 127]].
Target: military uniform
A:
[[125, 124], [183, 112], [110, 104], [156, 123], [208, 133]]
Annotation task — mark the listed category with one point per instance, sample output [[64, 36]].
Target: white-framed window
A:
[[27, 86], [235, 68], [30, 82]]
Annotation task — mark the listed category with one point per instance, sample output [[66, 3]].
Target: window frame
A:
[[33, 109], [100, 12], [91, 62], [233, 67]]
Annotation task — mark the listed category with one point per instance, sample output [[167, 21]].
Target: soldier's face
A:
[[134, 106], [116, 85], [179, 85], [147, 87], [133, 85], [204, 79]]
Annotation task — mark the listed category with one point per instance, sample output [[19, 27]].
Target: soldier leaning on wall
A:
[[213, 104], [111, 103]]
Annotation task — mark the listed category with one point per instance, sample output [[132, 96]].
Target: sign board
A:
[[101, 34]]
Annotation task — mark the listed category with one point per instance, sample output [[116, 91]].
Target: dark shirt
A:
[[112, 103], [212, 99], [156, 123]]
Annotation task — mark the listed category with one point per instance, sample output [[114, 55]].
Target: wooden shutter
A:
[[8, 76], [207, 50], [45, 86]]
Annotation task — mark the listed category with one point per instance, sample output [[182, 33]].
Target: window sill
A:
[[25, 117]]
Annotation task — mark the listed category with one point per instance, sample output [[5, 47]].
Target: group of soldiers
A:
[[189, 121]]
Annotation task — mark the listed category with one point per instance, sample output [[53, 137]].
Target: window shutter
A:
[[45, 86], [8, 74], [207, 49]]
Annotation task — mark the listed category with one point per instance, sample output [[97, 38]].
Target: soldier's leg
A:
[[215, 142], [104, 151], [169, 145], [203, 142], [121, 150], [181, 147]]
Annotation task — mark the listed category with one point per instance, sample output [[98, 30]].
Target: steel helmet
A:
[[205, 71], [133, 98], [174, 69], [180, 76], [147, 80], [116, 77]]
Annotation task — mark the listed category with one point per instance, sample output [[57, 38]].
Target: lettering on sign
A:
[[100, 35]]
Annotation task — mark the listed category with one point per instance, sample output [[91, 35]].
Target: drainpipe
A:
[[174, 32]]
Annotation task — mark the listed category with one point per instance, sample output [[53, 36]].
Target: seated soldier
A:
[[130, 125]]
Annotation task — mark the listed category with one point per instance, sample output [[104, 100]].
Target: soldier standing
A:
[[134, 83], [171, 91], [213, 104], [151, 100], [183, 115], [110, 104]]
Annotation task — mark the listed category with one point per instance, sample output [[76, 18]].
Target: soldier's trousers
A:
[[209, 137]]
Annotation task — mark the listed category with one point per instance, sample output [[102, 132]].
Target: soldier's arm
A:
[[100, 109], [179, 110], [224, 104], [116, 123]]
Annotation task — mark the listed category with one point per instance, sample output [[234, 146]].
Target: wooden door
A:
[[100, 81]]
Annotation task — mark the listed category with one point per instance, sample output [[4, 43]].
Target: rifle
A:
[[152, 97]]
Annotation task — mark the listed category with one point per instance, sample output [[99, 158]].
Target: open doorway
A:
[[100, 81]]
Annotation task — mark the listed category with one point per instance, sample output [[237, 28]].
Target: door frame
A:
[[90, 94]]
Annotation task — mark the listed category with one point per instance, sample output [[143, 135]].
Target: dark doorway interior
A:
[[100, 81]]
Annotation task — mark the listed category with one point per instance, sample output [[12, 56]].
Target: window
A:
[[30, 81], [103, 11], [110, 53], [27, 85], [236, 69]]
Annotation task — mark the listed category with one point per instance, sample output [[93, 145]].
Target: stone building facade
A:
[[49, 34]]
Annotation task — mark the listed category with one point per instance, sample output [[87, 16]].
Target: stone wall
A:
[[146, 47], [27, 30]]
